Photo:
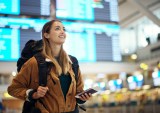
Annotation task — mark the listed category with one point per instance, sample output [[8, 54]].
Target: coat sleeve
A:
[[20, 84], [80, 83]]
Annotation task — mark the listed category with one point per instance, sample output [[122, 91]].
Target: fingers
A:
[[85, 97], [41, 91]]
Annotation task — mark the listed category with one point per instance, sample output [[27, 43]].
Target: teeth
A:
[[61, 36]]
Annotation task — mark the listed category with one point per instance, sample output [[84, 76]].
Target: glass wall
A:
[[137, 33]]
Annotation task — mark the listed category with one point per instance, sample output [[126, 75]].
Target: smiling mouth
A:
[[61, 37]]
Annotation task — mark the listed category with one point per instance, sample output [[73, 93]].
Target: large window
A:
[[137, 34]]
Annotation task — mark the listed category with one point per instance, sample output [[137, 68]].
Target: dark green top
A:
[[65, 81]]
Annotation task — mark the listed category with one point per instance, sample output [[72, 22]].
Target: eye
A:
[[57, 28]]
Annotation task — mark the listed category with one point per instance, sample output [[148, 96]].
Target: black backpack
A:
[[31, 48]]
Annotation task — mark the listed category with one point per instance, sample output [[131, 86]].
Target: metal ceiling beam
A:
[[145, 11]]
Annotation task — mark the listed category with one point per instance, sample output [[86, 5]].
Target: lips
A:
[[61, 36]]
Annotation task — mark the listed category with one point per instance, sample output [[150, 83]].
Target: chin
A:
[[60, 43]]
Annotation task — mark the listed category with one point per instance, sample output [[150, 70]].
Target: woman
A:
[[59, 94]]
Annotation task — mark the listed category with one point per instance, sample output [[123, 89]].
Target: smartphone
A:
[[90, 90]]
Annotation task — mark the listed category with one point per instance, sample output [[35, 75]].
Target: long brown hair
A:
[[62, 66]]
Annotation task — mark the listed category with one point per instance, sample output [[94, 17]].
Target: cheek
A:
[[65, 35], [53, 33]]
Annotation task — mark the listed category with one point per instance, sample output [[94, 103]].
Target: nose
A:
[[62, 31]]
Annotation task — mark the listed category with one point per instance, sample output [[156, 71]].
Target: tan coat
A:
[[54, 100]]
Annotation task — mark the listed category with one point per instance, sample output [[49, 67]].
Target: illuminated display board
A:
[[98, 42], [25, 7], [81, 45], [99, 10], [9, 44], [35, 7], [10, 7], [25, 23], [28, 28], [74, 9], [88, 42]]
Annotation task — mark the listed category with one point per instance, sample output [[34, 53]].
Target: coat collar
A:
[[49, 60]]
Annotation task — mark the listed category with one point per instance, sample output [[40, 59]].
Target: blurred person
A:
[[59, 94]]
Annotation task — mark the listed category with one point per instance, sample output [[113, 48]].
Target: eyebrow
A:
[[59, 26]]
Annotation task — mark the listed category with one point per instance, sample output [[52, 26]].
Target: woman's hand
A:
[[85, 97], [41, 91]]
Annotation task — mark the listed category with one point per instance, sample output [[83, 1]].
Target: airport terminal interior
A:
[[117, 44]]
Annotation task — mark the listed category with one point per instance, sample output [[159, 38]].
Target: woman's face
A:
[[57, 33]]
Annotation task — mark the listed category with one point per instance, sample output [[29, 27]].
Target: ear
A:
[[46, 35]]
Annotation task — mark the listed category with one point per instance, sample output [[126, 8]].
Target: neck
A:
[[56, 50]]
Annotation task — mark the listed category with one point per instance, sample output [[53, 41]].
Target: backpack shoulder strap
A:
[[75, 66], [42, 67]]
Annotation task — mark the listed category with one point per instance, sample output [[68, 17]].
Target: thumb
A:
[[47, 88]]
